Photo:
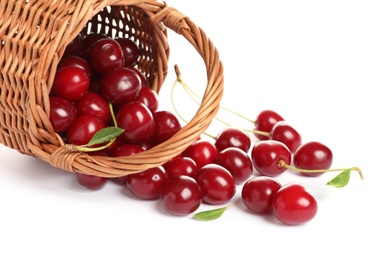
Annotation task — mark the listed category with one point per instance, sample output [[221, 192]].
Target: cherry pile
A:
[[98, 89]]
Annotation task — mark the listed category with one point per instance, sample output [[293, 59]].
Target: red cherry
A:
[[202, 152], [166, 125], [313, 156], [94, 104], [181, 166], [120, 86], [265, 121], [149, 97], [237, 162], [232, 137], [75, 47], [294, 205], [216, 183], [285, 133], [75, 60], [123, 149], [62, 113], [70, 82], [147, 184], [181, 195], [106, 54], [83, 129], [266, 156], [257, 193], [91, 182], [137, 121], [130, 50]]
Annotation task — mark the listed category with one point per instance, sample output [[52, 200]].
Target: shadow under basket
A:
[[34, 35]]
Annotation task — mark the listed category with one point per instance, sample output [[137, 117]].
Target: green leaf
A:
[[341, 180], [210, 214], [105, 135]]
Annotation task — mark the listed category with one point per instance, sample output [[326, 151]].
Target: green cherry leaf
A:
[[210, 214], [341, 180], [105, 135]]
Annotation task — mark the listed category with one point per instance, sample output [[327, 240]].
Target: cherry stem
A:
[[282, 163], [86, 148], [193, 96]]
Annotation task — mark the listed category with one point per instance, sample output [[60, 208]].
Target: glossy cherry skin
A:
[[62, 113], [83, 129], [87, 41], [232, 137], [137, 121], [294, 205], [258, 192], [285, 133], [216, 183], [123, 149], [149, 97], [166, 124], [75, 60], [181, 195], [181, 165], [70, 82], [237, 162], [313, 156], [147, 184], [130, 50], [94, 104], [106, 54], [91, 182], [265, 121], [120, 86], [266, 156], [202, 152]]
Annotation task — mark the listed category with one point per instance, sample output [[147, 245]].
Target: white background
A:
[[323, 65]]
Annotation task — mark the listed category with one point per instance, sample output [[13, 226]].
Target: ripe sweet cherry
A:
[[216, 183], [294, 205], [258, 192], [181, 195]]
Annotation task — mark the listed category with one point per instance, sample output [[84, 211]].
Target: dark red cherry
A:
[[266, 156], [232, 137], [294, 205], [265, 121], [75, 47], [181, 165], [202, 152], [147, 184], [137, 121], [149, 97], [106, 54], [94, 104], [130, 50], [181, 195], [62, 113], [285, 133], [83, 129], [70, 82], [120, 86], [258, 192], [91, 182], [75, 60], [313, 156], [166, 124], [216, 183], [237, 162]]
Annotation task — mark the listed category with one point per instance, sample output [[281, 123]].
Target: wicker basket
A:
[[34, 35]]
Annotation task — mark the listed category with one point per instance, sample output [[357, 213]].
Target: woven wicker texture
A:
[[34, 35]]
